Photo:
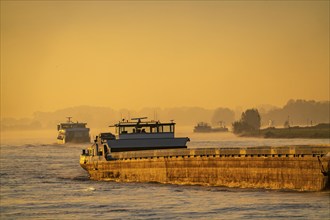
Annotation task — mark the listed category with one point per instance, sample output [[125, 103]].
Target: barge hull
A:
[[293, 168]]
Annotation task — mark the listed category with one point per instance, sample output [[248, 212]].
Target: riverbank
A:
[[320, 131]]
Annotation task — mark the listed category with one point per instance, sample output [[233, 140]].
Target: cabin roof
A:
[[141, 124], [72, 123]]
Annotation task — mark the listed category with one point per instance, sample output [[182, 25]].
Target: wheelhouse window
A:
[[73, 125], [126, 130], [168, 128]]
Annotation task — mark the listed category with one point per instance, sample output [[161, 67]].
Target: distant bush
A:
[[250, 122]]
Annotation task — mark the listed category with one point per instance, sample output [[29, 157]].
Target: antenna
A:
[[155, 115], [139, 120], [69, 119]]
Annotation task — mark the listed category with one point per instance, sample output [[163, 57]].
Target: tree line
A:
[[295, 112]]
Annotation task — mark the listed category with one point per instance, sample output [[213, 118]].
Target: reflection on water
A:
[[40, 179]]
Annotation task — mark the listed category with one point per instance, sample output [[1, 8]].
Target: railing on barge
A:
[[266, 151]]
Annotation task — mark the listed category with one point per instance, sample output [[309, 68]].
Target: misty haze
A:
[[217, 109], [299, 112]]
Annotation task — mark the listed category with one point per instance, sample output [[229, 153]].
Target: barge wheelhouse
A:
[[143, 135]]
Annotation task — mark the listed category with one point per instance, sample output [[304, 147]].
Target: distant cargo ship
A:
[[203, 127], [74, 132]]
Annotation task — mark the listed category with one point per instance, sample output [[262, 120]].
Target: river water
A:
[[43, 180]]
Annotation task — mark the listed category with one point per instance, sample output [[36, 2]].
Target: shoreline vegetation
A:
[[250, 126], [320, 131]]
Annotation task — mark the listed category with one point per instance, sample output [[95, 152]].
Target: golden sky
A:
[[135, 54]]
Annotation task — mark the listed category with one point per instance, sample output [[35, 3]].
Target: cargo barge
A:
[[72, 132], [203, 127], [301, 168]]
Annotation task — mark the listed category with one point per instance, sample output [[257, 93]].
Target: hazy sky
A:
[[135, 54]]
